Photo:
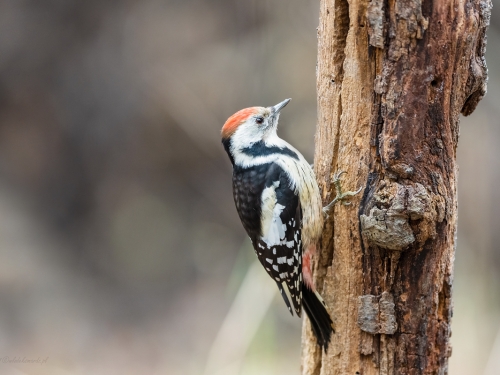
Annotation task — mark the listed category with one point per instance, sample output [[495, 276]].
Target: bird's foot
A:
[[340, 197]]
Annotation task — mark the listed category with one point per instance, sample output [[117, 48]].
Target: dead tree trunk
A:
[[393, 77]]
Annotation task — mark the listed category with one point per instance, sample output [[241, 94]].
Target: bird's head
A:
[[251, 125]]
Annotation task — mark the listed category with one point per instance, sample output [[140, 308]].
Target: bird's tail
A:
[[321, 321]]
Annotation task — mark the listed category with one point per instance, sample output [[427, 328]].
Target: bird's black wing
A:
[[279, 244]]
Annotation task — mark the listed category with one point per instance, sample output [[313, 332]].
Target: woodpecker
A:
[[279, 204]]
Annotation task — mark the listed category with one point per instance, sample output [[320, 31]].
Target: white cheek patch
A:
[[246, 135]]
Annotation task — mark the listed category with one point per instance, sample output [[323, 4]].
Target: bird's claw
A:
[[340, 195]]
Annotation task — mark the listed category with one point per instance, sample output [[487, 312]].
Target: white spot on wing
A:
[[273, 229]]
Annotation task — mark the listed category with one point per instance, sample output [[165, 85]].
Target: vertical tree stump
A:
[[393, 77]]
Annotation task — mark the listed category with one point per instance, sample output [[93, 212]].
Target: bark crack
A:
[[329, 92]]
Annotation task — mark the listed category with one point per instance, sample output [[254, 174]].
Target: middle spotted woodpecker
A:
[[279, 204]]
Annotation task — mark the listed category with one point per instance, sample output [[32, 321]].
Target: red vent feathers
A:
[[235, 120]]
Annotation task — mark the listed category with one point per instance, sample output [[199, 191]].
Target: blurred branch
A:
[[241, 323], [493, 363]]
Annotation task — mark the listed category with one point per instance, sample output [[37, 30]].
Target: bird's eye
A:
[[259, 120]]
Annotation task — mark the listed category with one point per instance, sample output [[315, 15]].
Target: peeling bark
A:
[[393, 78]]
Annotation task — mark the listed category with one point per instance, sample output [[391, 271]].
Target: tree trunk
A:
[[393, 77]]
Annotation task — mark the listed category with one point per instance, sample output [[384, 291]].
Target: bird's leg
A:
[[340, 195]]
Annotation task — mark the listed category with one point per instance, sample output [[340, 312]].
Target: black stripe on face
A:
[[261, 149], [226, 142]]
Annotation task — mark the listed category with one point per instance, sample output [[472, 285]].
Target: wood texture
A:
[[393, 77]]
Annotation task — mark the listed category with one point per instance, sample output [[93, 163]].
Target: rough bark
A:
[[393, 77]]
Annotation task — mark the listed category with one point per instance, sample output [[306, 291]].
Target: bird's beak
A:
[[278, 107]]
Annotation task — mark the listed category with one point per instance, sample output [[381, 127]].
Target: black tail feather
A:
[[285, 298], [321, 322]]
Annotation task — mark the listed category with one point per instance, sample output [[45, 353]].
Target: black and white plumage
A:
[[279, 204], [275, 229]]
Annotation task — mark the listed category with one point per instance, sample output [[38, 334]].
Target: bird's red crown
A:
[[235, 120]]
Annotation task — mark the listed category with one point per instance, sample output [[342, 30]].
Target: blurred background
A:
[[120, 248]]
